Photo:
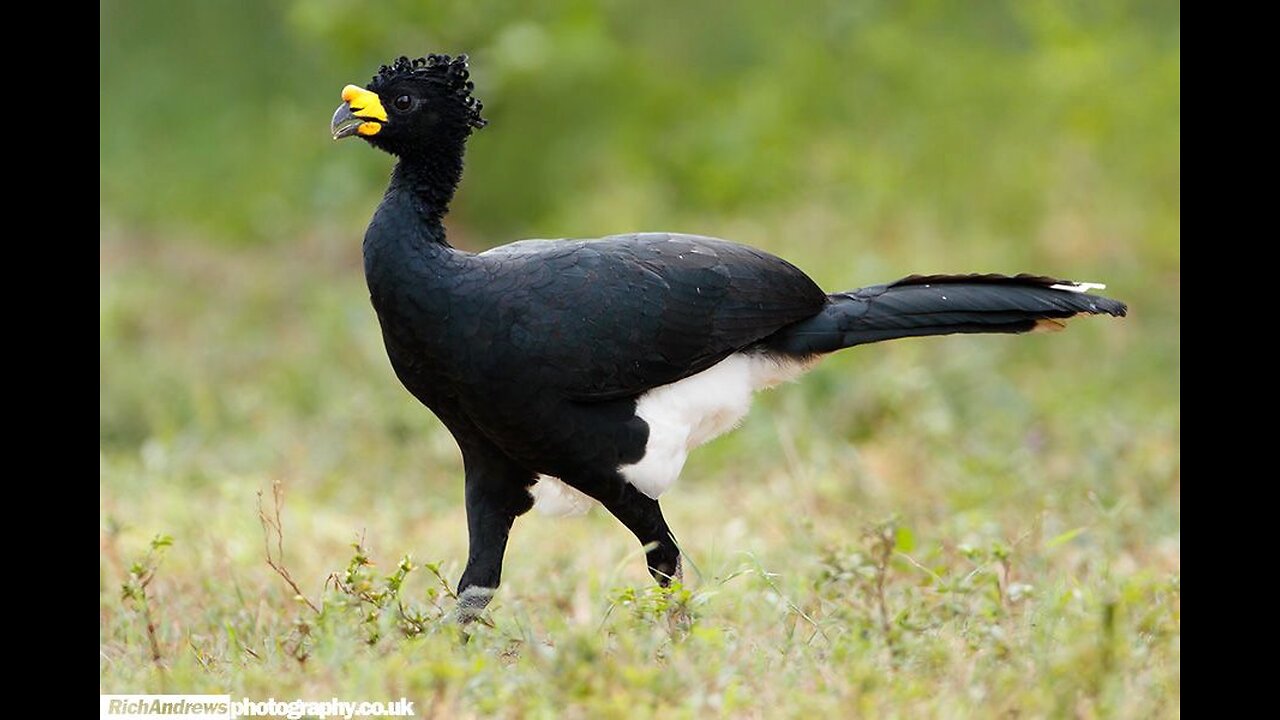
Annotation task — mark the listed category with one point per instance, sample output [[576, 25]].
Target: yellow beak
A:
[[361, 113]]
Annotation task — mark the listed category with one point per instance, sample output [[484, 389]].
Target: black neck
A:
[[430, 181]]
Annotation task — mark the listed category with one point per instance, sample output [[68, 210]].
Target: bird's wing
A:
[[614, 317]]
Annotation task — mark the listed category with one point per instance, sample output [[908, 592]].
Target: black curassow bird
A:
[[574, 372]]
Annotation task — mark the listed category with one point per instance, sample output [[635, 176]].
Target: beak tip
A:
[[344, 123]]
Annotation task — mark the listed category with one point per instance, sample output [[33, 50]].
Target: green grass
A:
[[948, 527]]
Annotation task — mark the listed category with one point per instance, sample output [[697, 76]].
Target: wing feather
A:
[[614, 317]]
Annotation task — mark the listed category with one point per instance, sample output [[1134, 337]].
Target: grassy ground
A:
[[958, 527]]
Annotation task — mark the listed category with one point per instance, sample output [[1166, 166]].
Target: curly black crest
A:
[[451, 72]]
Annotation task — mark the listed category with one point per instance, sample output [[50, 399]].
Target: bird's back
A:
[[614, 317]]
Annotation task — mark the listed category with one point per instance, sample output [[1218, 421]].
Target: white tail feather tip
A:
[[1079, 287]]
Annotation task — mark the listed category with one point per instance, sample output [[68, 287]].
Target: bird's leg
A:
[[643, 517], [488, 530], [496, 494]]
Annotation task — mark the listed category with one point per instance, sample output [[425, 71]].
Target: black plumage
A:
[[549, 358]]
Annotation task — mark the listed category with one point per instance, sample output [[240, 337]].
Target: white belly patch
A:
[[681, 416], [685, 414], [551, 496]]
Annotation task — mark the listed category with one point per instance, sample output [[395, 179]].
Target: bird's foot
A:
[[471, 603], [668, 572]]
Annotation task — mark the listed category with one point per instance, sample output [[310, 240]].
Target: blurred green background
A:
[[997, 117], [863, 140]]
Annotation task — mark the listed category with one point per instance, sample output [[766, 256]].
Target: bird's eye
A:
[[403, 103]]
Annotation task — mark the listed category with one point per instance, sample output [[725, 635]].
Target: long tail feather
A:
[[943, 305]]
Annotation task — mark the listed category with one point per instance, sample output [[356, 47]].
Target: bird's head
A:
[[411, 106]]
